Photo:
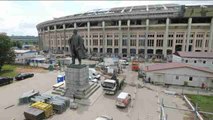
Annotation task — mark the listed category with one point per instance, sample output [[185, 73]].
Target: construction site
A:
[[44, 97]]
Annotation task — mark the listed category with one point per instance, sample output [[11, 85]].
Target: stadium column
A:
[[40, 40], [75, 25], [113, 46], [99, 43], [146, 38], [174, 43], [120, 37], [44, 41], [188, 34], [137, 48], [88, 36], [128, 37], [194, 41], [155, 41], [184, 41], [48, 29], [55, 34], [104, 38], [64, 29], [166, 38], [210, 47], [204, 42]]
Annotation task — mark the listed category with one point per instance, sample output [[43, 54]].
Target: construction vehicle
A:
[[111, 86], [135, 65]]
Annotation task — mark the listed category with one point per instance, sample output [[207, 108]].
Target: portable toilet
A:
[[60, 78]]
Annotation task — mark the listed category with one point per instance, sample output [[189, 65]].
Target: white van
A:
[[94, 74], [123, 99]]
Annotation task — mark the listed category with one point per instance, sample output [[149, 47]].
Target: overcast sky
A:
[[21, 17]]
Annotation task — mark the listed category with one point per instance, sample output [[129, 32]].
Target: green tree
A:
[[17, 44], [7, 55]]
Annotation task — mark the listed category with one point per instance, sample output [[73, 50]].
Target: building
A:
[[23, 56], [151, 30], [201, 59], [179, 74]]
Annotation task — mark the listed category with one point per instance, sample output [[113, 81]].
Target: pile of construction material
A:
[[59, 103], [26, 97], [45, 105], [39, 111]]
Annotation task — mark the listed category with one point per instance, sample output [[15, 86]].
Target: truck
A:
[[112, 85], [135, 65]]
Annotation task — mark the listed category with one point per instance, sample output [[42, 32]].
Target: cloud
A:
[[26, 25], [1, 19]]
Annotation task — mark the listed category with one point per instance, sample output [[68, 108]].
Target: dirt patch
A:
[[30, 69], [188, 116]]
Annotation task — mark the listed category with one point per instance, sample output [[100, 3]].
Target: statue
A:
[[77, 47]]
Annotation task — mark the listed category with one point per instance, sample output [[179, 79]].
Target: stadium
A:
[[147, 31]]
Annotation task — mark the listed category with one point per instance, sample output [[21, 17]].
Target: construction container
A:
[[60, 78], [47, 108], [34, 114]]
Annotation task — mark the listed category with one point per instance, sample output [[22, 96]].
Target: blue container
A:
[[60, 78]]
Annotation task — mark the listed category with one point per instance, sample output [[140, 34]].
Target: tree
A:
[[17, 44], [7, 55]]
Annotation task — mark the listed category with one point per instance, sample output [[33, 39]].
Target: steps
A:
[[92, 95], [92, 90]]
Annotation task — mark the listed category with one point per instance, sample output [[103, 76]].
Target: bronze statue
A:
[[77, 47]]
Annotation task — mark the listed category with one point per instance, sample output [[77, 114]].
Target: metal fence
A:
[[194, 110]]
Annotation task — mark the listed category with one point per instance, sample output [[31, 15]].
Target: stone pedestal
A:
[[76, 82]]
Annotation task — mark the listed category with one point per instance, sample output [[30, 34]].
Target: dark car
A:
[[5, 80], [22, 76]]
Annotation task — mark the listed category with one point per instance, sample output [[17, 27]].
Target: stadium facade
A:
[[151, 30]]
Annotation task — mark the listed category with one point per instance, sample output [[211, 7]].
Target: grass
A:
[[205, 103], [8, 71]]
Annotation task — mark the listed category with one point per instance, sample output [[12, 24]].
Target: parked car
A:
[[104, 117], [93, 80], [94, 74], [123, 99], [5, 80], [22, 76]]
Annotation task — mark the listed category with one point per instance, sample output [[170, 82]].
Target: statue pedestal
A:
[[77, 81]]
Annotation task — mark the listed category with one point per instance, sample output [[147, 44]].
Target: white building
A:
[[200, 59], [23, 55], [179, 74]]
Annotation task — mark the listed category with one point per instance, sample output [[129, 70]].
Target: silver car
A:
[[103, 117]]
